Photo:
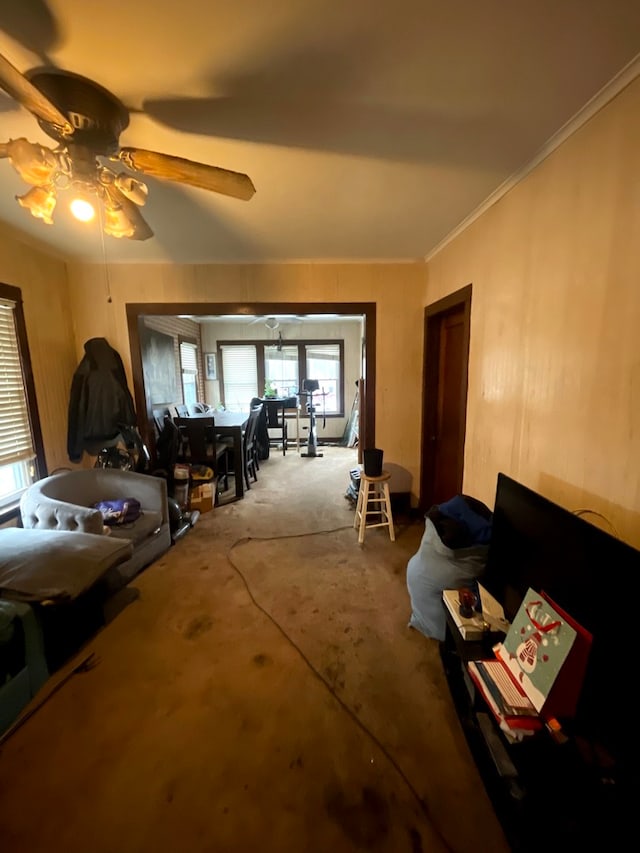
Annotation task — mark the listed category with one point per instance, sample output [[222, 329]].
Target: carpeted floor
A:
[[262, 693]]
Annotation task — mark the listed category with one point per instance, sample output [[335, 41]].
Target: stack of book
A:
[[513, 710]]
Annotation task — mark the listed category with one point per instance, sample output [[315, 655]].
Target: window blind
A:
[[16, 443], [240, 374], [188, 358], [323, 352]]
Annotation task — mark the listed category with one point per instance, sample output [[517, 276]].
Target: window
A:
[[323, 364], [189, 365], [21, 454], [247, 368], [281, 369], [240, 373]]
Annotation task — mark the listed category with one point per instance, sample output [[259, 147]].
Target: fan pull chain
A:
[[104, 257]]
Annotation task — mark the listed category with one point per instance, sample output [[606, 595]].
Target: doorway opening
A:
[[136, 312]]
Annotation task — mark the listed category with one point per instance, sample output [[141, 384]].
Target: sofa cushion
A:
[[58, 565]]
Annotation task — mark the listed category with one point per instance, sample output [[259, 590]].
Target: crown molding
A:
[[593, 106]]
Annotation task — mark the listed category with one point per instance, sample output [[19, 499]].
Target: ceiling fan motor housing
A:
[[97, 116]]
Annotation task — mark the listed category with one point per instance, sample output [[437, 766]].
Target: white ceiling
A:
[[370, 129]]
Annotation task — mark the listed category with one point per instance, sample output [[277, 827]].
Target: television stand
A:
[[547, 795]]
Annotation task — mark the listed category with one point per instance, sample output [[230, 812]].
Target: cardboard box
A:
[[201, 497]]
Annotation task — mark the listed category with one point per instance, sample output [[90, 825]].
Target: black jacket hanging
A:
[[100, 400]]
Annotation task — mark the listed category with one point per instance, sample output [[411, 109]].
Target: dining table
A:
[[231, 425]]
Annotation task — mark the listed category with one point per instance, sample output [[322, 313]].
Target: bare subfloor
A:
[[262, 693]]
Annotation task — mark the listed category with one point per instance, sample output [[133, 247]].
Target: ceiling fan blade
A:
[[118, 199], [17, 85], [213, 178]]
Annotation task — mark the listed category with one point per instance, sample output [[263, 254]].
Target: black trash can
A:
[[372, 462]]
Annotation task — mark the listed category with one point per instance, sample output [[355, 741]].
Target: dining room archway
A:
[[367, 310]]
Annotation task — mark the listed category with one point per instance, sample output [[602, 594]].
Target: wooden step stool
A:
[[374, 499]]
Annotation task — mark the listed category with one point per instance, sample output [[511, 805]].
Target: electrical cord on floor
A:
[[351, 714]]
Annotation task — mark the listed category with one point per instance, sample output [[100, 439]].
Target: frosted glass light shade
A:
[[40, 202]]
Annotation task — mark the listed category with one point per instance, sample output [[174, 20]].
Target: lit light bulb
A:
[[82, 209]]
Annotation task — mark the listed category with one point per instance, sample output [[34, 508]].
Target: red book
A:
[[514, 725]]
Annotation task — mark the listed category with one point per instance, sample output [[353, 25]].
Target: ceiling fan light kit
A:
[[86, 121]]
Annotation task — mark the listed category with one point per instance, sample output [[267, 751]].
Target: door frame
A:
[[433, 315], [135, 310]]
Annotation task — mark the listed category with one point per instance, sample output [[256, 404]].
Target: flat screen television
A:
[[594, 577]]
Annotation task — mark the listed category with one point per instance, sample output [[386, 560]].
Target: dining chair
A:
[[200, 447], [249, 446], [261, 438], [159, 416], [168, 448], [276, 423]]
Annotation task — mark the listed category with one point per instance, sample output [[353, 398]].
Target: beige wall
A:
[[43, 282], [554, 379], [398, 290]]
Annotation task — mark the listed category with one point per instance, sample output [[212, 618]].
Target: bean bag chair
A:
[[452, 554]]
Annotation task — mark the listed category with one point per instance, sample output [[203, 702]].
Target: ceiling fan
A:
[[273, 321], [86, 121]]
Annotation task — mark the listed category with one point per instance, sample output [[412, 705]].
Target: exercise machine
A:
[[309, 388]]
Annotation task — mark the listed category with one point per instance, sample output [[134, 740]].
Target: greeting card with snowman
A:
[[546, 652]]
